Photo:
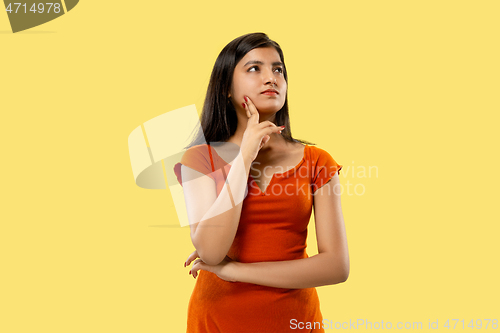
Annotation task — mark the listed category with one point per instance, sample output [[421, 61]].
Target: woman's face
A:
[[257, 72]]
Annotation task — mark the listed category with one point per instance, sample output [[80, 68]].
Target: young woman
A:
[[249, 207]]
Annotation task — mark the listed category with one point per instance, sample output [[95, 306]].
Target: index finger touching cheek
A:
[[248, 100]]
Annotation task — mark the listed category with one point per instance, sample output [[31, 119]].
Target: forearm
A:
[[319, 270], [214, 236], [215, 232]]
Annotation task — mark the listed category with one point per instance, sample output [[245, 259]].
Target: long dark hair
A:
[[218, 117]]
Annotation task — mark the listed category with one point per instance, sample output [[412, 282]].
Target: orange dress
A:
[[272, 227]]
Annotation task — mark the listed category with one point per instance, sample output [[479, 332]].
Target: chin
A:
[[268, 108]]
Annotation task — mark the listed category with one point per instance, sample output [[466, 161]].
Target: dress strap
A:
[[211, 158]]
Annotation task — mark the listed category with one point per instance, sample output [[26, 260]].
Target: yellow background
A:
[[409, 87]]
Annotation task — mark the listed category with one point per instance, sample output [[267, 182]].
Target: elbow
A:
[[344, 276], [345, 271], [210, 258], [340, 277], [208, 254], [341, 272]]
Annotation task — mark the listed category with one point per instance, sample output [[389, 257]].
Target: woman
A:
[[249, 217]]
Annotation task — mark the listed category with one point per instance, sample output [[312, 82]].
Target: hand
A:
[[256, 134], [225, 270]]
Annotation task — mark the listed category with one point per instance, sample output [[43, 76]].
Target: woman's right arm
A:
[[214, 219]]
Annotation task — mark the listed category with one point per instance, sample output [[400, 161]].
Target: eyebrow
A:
[[257, 62]]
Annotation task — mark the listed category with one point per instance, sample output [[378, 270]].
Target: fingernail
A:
[[184, 264], [246, 99], [189, 272], [243, 105], [282, 126]]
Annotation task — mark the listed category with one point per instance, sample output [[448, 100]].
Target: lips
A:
[[270, 91]]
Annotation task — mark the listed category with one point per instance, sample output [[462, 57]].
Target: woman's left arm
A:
[[329, 266]]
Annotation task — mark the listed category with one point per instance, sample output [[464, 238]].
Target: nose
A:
[[269, 77]]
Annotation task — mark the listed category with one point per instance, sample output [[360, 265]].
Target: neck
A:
[[275, 141]]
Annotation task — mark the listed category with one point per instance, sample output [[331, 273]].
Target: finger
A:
[[250, 104], [198, 265], [270, 130], [193, 272], [251, 107], [249, 114], [265, 133], [253, 115], [198, 261], [191, 257], [266, 124], [245, 106]]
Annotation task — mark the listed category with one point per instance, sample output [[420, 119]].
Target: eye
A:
[[253, 69], [279, 70]]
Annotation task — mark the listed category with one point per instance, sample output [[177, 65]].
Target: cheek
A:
[[246, 88], [285, 89], [237, 89]]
